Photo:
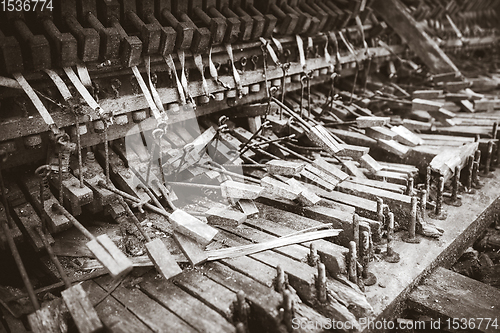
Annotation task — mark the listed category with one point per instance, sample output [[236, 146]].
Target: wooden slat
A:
[[190, 309]]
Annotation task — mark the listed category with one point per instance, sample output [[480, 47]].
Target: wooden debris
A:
[[425, 105], [192, 227], [323, 165], [306, 197], [406, 137], [380, 133], [239, 190], [191, 249], [393, 147], [278, 188], [365, 122], [222, 216], [248, 207], [366, 161], [284, 168]]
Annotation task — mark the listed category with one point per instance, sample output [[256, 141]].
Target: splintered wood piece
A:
[[243, 250], [364, 122], [82, 311], [248, 207], [445, 162], [284, 168], [419, 104], [406, 137], [164, 262], [369, 163], [355, 152], [278, 188], [323, 165], [225, 216], [48, 319], [192, 227], [239, 190], [446, 294], [110, 256], [393, 147], [191, 249], [378, 132], [306, 197]]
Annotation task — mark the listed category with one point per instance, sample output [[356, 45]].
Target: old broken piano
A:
[[245, 166]]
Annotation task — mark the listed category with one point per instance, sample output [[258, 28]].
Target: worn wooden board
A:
[[448, 295], [152, 314], [187, 307]]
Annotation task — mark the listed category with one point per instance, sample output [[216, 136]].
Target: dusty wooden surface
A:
[[449, 295], [462, 227]]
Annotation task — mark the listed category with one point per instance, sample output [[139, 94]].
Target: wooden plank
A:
[[161, 257], [326, 175], [111, 312], [354, 152], [212, 294], [352, 169], [155, 316], [369, 163], [278, 188], [284, 168], [331, 254], [340, 219], [379, 184], [407, 137], [378, 132], [306, 197], [393, 147], [190, 309], [82, 311], [312, 178], [394, 13], [192, 250], [425, 105], [323, 165], [398, 203], [449, 295], [192, 227], [225, 216]]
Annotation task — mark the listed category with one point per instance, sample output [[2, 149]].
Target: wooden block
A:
[[416, 125], [312, 178], [354, 152], [74, 195], [323, 175], [393, 147], [448, 295], [352, 169], [407, 137], [364, 122], [427, 94], [425, 105], [484, 105], [192, 227], [82, 311], [324, 140], [445, 162], [367, 162], [191, 249], [248, 207], [380, 133], [164, 262], [239, 190], [279, 189], [48, 319], [467, 106], [306, 197], [284, 168], [323, 165], [225, 216]]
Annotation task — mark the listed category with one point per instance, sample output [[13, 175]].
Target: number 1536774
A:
[[25, 5]]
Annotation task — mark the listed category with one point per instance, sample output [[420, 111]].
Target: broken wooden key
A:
[[163, 261], [115, 262]]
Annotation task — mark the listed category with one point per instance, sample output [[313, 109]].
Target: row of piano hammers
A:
[[90, 30]]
